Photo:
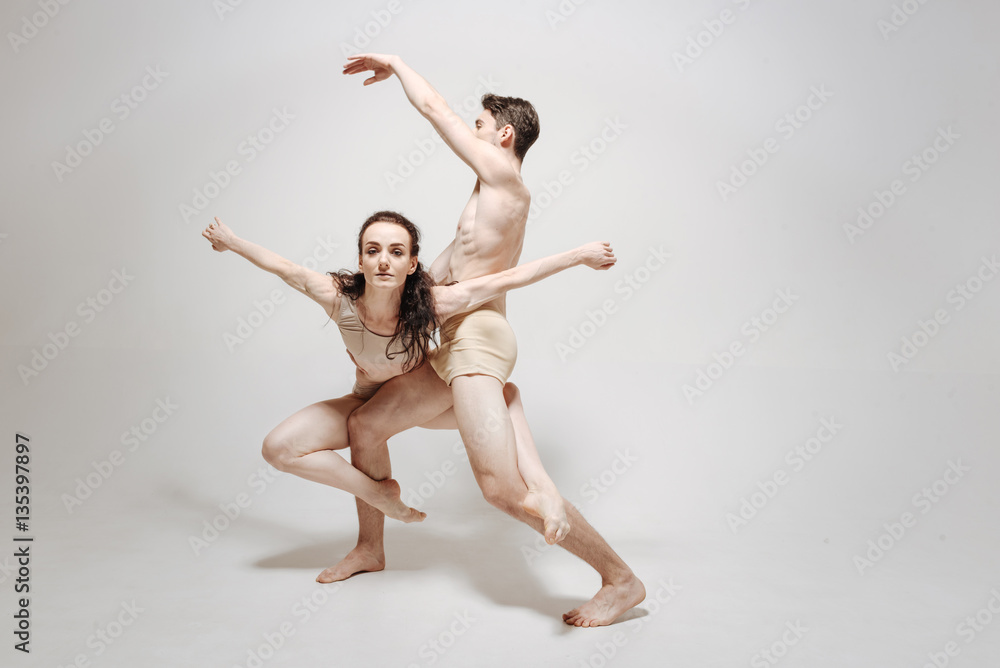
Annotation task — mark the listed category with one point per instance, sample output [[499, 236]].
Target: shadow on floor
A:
[[486, 552]]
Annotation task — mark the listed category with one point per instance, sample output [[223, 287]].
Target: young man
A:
[[477, 350]]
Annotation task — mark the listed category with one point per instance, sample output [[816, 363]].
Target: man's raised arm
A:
[[486, 160]]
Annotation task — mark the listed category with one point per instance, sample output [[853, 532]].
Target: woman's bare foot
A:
[[608, 604], [390, 503], [549, 507], [359, 560]]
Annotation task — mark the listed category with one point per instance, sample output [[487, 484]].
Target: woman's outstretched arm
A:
[[451, 300], [318, 287]]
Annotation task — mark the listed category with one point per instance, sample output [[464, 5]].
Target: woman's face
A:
[[385, 256]]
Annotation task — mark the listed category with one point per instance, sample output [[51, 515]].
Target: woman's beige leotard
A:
[[369, 351]]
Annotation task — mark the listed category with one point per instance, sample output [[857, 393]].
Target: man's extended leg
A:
[[620, 589], [488, 436], [401, 403], [543, 499]]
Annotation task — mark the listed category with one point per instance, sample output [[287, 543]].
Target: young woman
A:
[[387, 313]]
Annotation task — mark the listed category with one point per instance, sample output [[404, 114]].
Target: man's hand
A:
[[378, 63], [597, 255], [222, 237], [486, 160]]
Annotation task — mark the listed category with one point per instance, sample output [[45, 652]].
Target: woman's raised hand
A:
[[597, 255], [221, 236]]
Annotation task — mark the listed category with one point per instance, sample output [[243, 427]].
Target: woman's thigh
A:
[[319, 426], [445, 420]]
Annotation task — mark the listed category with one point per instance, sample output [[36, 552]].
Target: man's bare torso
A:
[[490, 233]]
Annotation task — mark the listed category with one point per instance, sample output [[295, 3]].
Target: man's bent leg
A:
[[486, 429], [401, 403], [488, 435], [543, 499]]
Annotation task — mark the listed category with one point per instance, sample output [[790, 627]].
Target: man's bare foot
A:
[[608, 604], [359, 560], [390, 503], [549, 507]]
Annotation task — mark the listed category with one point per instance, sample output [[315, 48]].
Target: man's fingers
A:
[[358, 66]]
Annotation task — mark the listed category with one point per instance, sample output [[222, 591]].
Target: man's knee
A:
[[499, 494], [362, 431]]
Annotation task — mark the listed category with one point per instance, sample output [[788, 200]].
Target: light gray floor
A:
[[486, 591]]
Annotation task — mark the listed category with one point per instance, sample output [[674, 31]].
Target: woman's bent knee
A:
[[355, 430], [276, 452], [359, 432]]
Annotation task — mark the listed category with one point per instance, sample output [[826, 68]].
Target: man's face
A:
[[486, 128]]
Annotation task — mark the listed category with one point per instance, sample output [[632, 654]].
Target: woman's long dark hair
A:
[[416, 325]]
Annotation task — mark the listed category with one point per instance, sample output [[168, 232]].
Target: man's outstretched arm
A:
[[451, 300], [486, 160]]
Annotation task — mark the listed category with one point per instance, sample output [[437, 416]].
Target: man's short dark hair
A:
[[518, 113]]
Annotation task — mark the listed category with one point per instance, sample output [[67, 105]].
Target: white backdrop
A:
[[780, 405]]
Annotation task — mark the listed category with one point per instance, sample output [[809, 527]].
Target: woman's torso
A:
[[371, 353]]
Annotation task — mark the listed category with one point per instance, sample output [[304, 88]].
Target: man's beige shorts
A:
[[479, 341]]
